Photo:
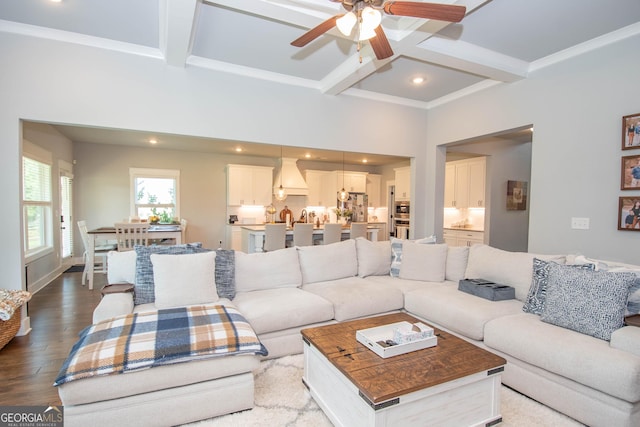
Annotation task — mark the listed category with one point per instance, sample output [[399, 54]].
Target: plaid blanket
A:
[[144, 340]]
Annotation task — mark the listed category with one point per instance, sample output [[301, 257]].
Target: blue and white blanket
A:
[[155, 338]]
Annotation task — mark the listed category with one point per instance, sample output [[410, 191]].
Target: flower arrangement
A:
[[346, 213], [153, 219]]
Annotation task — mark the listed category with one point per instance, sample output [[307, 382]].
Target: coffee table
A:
[[454, 383]]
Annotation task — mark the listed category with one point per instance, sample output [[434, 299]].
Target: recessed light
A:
[[153, 141], [55, 1], [364, 160], [307, 156], [417, 80], [238, 149]]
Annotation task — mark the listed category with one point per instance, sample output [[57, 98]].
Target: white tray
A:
[[369, 338]]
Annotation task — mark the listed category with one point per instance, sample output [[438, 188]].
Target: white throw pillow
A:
[[121, 267], [423, 262], [328, 262], [457, 257], [267, 270], [504, 267], [374, 258], [182, 280]]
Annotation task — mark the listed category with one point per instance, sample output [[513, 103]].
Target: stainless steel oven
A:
[[401, 219], [402, 210]]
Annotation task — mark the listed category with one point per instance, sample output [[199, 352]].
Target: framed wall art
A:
[[630, 173], [629, 213], [631, 132], [516, 195]]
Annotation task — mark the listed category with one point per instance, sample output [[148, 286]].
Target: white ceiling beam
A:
[[177, 27]]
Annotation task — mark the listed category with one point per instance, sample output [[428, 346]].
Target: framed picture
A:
[[630, 173], [629, 214], [631, 132], [516, 195]]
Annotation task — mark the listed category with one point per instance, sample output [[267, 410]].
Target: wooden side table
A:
[[117, 288]]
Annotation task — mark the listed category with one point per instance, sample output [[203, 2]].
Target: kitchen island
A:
[[253, 236]]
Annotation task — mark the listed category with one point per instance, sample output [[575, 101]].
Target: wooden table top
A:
[[383, 379]]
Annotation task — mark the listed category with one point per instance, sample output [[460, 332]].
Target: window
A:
[[37, 206], [155, 192]]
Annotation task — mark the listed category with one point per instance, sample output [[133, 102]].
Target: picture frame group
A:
[[629, 206], [631, 132]]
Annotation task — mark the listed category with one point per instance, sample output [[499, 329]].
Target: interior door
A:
[[66, 227]]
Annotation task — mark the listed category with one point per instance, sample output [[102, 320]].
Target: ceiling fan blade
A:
[[315, 32], [380, 44], [440, 12]]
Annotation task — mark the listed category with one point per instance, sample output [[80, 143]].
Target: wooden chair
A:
[[275, 236], [332, 233], [99, 252], [131, 234], [358, 229], [302, 234]]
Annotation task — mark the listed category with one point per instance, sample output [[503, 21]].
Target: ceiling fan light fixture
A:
[[346, 23], [369, 20]]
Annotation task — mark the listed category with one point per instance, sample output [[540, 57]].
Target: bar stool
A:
[[358, 229], [274, 236], [302, 234], [332, 233]]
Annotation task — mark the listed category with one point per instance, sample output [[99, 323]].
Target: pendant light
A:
[[281, 194], [343, 195]]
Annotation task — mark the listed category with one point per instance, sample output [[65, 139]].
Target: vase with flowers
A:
[[343, 215]]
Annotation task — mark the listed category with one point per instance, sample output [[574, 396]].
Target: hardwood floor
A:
[[29, 364]]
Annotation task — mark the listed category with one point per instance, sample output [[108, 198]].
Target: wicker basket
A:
[[9, 328]]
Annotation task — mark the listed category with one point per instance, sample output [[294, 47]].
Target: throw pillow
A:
[[144, 285], [341, 257], [534, 303], [181, 280], [423, 262], [121, 267], [586, 301], [374, 258], [226, 273], [396, 252], [267, 270], [633, 303], [457, 257]]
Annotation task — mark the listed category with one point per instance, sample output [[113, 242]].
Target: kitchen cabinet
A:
[[465, 183], [403, 183], [249, 185], [323, 188], [373, 190], [233, 238], [462, 237], [354, 182]]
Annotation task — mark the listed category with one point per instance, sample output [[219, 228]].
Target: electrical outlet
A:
[[580, 223]]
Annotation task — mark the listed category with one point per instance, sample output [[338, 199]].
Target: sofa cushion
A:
[[396, 252], [578, 357], [328, 262], [272, 310], [121, 267], [445, 305], [144, 286], [374, 258], [457, 257], [226, 273], [423, 262], [267, 270], [504, 267], [182, 280], [590, 302], [355, 297], [398, 283]]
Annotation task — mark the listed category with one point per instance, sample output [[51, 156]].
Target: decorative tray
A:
[[397, 338]]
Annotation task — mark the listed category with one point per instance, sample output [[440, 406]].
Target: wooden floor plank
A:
[[29, 364]]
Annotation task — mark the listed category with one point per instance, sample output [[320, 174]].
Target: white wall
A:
[[62, 83], [576, 108]]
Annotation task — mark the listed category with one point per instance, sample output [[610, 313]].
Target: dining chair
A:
[[130, 234], [183, 227], [99, 252], [358, 229], [302, 234], [275, 236], [332, 233]]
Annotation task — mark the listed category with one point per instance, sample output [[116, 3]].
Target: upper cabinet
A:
[[373, 190], [322, 188], [403, 183], [249, 185], [465, 183], [354, 182]]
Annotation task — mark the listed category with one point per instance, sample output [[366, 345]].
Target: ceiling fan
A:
[[365, 17]]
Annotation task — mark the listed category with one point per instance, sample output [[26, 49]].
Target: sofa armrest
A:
[[113, 305], [627, 338]]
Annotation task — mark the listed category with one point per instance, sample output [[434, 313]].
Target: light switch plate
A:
[[580, 223]]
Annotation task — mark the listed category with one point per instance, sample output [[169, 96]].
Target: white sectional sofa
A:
[[594, 380]]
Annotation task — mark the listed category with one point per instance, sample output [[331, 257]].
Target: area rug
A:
[[282, 400], [75, 269]]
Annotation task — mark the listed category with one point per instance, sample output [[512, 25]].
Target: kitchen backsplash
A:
[[472, 217]]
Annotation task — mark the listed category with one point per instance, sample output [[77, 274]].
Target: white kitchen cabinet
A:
[[233, 238], [323, 188], [249, 185], [354, 182], [462, 237], [373, 190], [465, 183], [403, 183]]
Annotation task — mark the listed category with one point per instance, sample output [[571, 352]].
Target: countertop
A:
[[239, 224], [464, 229]]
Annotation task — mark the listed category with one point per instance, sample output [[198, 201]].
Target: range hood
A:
[[291, 179]]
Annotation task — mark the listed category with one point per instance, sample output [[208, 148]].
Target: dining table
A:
[[253, 236], [160, 231]]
